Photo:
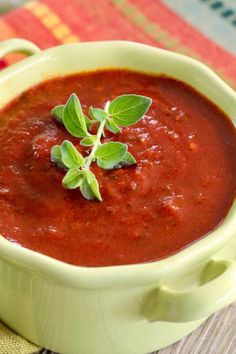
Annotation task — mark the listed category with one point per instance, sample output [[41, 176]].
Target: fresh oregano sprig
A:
[[123, 111]]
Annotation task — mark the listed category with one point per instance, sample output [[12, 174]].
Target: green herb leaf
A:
[[110, 154], [128, 109], [128, 160], [86, 190], [88, 140], [112, 126], [97, 114], [70, 155], [88, 121], [56, 156], [89, 187], [57, 112], [73, 178], [73, 117]]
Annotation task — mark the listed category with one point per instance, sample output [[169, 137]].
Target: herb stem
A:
[[97, 142], [95, 145]]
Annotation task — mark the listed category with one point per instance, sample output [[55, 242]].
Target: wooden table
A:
[[216, 336]]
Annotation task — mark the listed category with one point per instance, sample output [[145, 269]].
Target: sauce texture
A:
[[181, 188]]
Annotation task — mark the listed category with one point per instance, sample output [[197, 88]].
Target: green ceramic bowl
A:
[[132, 309]]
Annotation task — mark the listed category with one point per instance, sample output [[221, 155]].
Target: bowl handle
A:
[[18, 45], [217, 290]]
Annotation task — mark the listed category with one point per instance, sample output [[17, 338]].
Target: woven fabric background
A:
[[203, 29], [11, 343]]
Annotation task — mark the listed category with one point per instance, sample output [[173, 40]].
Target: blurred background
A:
[[216, 19]]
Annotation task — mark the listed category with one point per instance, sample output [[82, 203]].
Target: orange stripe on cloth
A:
[[29, 27], [6, 31], [94, 21], [52, 22]]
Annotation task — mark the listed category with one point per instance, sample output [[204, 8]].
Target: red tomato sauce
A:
[[181, 188]]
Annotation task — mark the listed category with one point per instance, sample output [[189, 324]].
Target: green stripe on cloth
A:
[[152, 29], [155, 32], [215, 19]]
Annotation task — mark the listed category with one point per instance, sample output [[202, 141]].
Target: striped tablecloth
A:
[[203, 29]]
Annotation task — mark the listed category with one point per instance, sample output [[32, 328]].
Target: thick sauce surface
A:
[[181, 188]]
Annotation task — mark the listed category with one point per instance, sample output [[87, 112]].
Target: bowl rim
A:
[[131, 274]]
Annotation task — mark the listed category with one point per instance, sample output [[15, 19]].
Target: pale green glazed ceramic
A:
[[131, 309]]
